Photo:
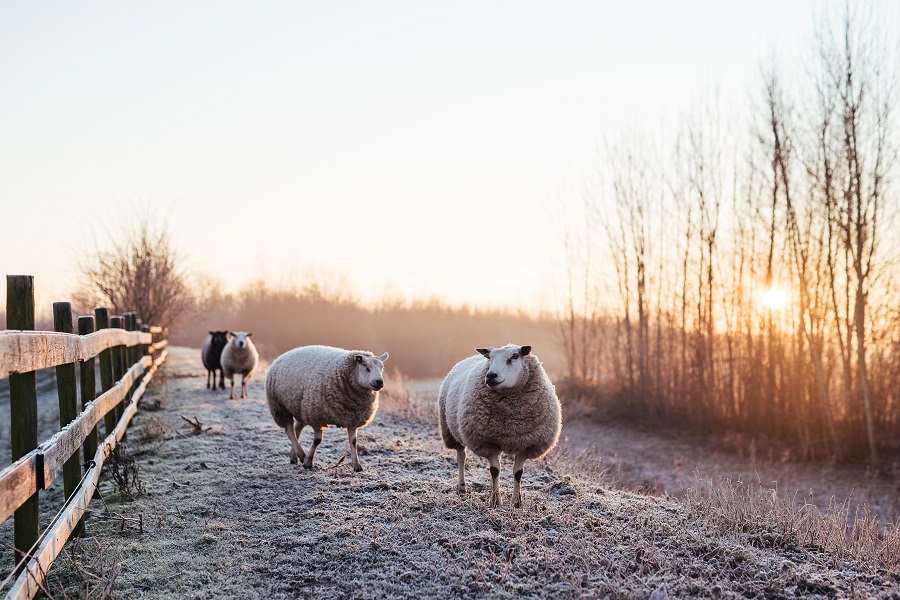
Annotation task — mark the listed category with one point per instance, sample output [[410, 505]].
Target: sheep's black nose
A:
[[378, 384], [491, 376]]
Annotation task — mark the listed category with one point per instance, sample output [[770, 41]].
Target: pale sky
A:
[[416, 146]]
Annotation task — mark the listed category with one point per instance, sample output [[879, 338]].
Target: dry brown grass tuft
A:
[[87, 569], [125, 474], [408, 398], [766, 518]]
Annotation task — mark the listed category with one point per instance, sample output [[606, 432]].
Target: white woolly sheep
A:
[[321, 386], [503, 404], [239, 356]]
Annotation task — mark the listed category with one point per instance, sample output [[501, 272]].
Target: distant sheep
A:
[[321, 386], [503, 404], [239, 356], [211, 353]]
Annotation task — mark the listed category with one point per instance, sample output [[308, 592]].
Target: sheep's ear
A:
[[249, 334], [213, 332], [525, 350], [383, 357], [359, 358], [485, 352], [229, 334]]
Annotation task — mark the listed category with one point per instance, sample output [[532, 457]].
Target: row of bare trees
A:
[[752, 284]]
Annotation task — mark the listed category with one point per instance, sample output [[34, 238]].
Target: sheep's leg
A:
[[354, 455], [494, 460], [293, 432], [208, 373], [518, 467], [461, 461], [231, 379], [221, 379], [317, 439], [243, 385]]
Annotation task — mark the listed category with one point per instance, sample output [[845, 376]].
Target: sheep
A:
[[503, 404], [321, 386], [239, 356], [211, 353]]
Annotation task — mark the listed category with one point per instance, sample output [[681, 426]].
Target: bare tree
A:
[[862, 94], [141, 272]]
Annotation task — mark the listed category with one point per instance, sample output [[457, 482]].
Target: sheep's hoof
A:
[[307, 464], [495, 501], [461, 489], [358, 468], [517, 502]]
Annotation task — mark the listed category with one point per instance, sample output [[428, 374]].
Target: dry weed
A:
[[399, 398], [125, 474], [86, 569], [766, 518]]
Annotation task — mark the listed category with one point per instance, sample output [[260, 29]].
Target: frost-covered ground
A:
[[224, 515]]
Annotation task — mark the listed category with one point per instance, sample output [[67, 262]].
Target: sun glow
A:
[[772, 298]]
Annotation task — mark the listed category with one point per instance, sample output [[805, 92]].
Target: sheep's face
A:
[[219, 338], [240, 339], [507, 367], [369, 370]]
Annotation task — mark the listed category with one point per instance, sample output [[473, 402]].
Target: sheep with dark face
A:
[[211, 354], [239, 356], [321, 386], [503, 404]]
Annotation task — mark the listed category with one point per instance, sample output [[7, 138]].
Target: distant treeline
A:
[[425, 339]]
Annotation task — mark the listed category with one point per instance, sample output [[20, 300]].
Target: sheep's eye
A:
[[515, 356]]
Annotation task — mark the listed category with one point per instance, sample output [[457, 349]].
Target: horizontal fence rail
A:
[[25, 351], [37, 469], [29, 582], [127, 356]]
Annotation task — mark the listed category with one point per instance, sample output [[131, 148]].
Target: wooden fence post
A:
[[145, 348], [107, 380], [23, 431], [88, 387], [131, 354], [118, 363], [68, 404]]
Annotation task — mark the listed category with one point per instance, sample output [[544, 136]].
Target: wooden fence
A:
[[128, 358]]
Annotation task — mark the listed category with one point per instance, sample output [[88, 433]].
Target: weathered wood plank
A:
[[23, 428], [68, 404], [87, 371], [29, 582], [16, 485], [25, 351], [58, 448], [101, 320]]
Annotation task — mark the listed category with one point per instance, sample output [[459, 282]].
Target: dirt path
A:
[[224, 515]]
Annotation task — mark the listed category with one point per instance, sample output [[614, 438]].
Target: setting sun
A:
[[772, 298]]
